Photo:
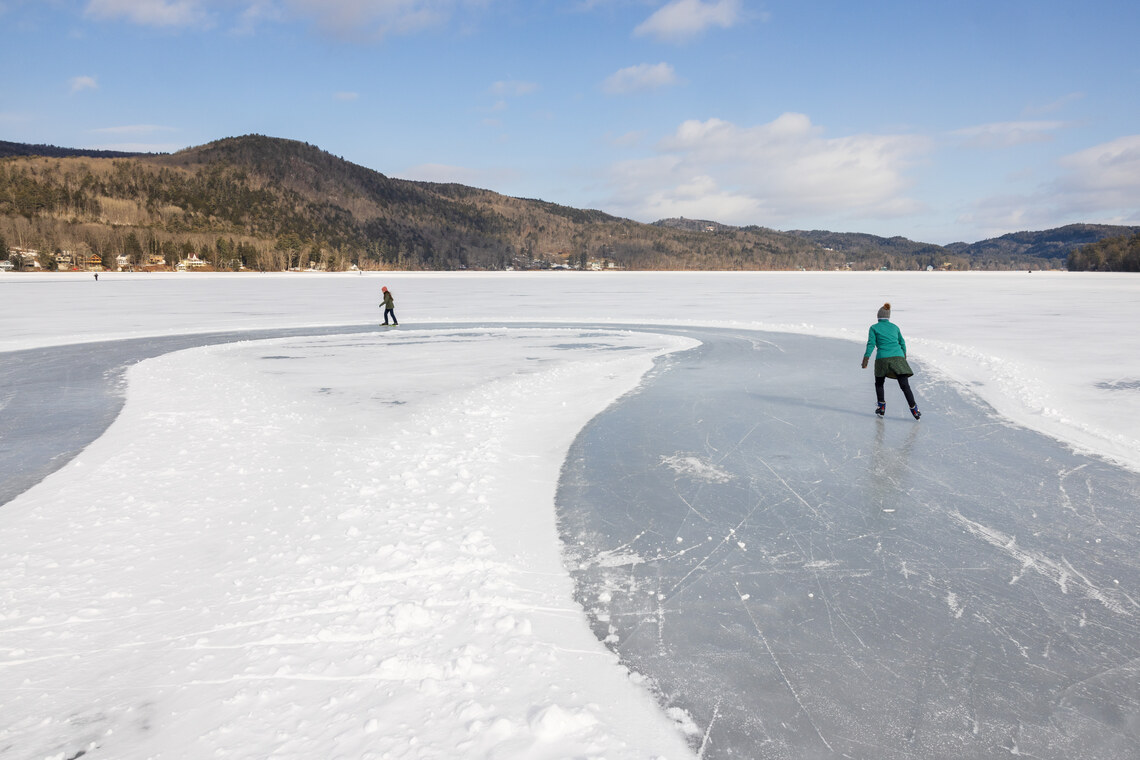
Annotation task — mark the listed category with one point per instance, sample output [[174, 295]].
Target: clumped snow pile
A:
[[323, 548]]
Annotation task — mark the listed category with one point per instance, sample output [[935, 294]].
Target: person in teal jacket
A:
[[890, 361]]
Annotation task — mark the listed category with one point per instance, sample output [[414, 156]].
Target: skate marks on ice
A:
[[797, 578]]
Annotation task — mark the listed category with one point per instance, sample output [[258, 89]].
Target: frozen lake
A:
[[802, 578], [624, 516]]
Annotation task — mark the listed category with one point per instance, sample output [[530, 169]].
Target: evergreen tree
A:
[[132, 249]]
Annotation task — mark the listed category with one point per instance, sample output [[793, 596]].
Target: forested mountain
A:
[[265, 203]]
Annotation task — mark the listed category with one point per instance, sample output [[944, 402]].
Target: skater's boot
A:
[[882, 410], [915, 412]]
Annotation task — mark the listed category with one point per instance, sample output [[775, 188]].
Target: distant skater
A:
[[890, 361], [96, 277], [389, 306]]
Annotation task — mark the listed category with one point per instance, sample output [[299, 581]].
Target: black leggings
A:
[[904, 383]]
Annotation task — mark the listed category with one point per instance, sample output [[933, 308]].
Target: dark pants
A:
[[904, 383], [393, 313]]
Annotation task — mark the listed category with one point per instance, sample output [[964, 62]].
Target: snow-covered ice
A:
[[322, 547], [344, 545]]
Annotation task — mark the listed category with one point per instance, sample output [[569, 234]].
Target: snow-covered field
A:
[[345, 546]]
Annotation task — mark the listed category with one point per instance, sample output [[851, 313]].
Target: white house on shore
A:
[[190, 262]]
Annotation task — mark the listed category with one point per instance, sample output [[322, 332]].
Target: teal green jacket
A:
[[886, 337]]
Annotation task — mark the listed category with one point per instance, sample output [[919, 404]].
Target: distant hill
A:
[[857, 246], [9, 149], [265, 203], [1056, 243]]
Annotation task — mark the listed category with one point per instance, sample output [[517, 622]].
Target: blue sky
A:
[[936, 121]]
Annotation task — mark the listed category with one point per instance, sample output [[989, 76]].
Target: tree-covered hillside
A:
[[266, 203], [1115, 254], [263, 203], [1056, 243]]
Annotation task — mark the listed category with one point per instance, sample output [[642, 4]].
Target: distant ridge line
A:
[[14, 149]]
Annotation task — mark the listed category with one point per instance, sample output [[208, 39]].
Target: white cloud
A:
[[681, 20], [768, 174], [150, 12], [1100, 184], [83, 83], [346, 96], [645, 76], [1008, 134], [1102, 178]]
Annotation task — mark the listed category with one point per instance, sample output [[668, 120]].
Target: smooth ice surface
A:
[[806, 580]]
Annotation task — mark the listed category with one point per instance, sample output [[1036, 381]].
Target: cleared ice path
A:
[[809, 581]]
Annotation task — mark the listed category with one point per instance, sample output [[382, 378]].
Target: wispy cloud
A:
[[645, 76], [768, 174], [682, 20], [1096, 184], [132, 129], [1008, 133], [507, 89], [254, 14], [346, 96], [376, 19], [1054, 106], [81, 83], [359, 19], [162, 13], [1105, 177], [140, 147], [513, 88], [627, 140]]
